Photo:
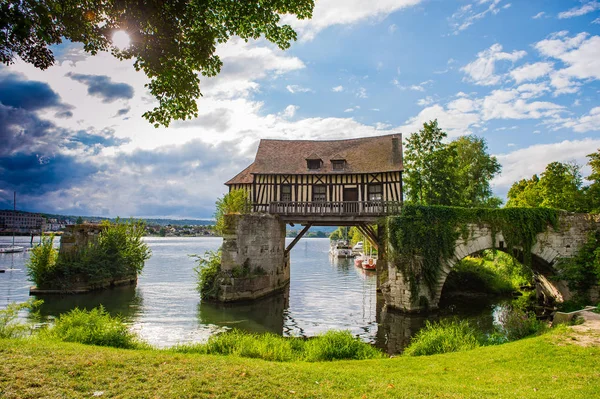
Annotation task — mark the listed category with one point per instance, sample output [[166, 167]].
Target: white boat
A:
[[11, 249], [358, 248], [341, 249]]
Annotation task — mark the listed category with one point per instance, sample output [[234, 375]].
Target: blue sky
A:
[[523, 74]]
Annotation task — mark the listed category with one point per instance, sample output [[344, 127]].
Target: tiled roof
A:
[[364, 155]]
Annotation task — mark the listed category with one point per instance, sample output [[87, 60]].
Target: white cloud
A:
[[586, 8], [482, 71], [539, 15], [531, 71], [337, 89], [362, 93], [392, 28], [344, 12], [468, 14], [298, 89], [580, 54], [525, 162], [290, 111], [423, 102], [454, 121], [349, 110], [586, 123], [416, 87], [596, 21]]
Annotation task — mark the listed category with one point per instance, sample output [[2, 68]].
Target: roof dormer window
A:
[[338, 164], [313, 164]]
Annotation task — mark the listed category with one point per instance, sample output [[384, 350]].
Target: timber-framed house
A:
[[325, 180]]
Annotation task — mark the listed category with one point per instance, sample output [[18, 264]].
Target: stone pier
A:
[[254, 262]]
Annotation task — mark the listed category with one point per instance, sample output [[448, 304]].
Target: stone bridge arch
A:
[[550, 247]]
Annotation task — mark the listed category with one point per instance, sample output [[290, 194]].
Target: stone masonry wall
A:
[[253, 263], [78, 236], [550, 247]]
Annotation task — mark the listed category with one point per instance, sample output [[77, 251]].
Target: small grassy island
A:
[[90, 257]]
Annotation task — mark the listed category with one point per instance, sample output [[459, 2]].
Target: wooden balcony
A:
[[333, 212]]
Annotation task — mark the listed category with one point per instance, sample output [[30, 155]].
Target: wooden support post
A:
[[298, 237], [368, 234]]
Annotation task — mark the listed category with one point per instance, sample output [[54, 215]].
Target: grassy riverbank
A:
[[549, 366]]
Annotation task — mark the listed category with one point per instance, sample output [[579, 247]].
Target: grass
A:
[[443, 337], [333, 345], [547, 366]]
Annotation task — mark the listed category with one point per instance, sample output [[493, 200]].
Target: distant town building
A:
[[21, 222]]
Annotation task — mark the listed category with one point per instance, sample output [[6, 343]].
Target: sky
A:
[[524, 75]]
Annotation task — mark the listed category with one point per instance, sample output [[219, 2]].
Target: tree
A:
[[171, 41], [592, 192], [525, 193], [560, 186], [236, 201], [79, 220], [475, 168], [427, 160], [456, 174]]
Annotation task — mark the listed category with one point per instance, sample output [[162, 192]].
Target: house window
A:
[[313, 163], [375, 192], [319, 193], [338, 164], [286, 192]]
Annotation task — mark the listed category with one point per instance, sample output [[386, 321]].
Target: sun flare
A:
[[121, 40]]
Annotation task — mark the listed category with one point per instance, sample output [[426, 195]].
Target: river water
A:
[[165, 309]]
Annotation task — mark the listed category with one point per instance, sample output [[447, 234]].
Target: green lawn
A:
[[549, 366]]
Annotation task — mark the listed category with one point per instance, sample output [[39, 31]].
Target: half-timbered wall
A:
[[267, 188]]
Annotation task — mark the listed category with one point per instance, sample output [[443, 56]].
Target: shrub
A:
[[118, 252], [583, 270], [338, 345], [10, 327], [333, 345], [42, 261], [443, 337], [93, 327], [236, 201], [516, 323], [207, 273]]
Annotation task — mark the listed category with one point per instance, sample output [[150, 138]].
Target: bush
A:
[[118, 252], [236, 201], [94, 327], [10, 327], [42, 261], [207, 273], [338, 345], [516, 323], [583, 270], [333, 345], [443, 337]]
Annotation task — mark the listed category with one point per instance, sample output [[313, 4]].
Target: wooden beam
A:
[[298, 237], [365, 231]]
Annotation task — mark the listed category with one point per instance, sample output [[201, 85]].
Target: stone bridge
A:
[[551, 246]]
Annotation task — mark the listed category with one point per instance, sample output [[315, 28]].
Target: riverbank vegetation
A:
[[118, 252], [490, 272], [207, 273], [548, 366], [235, 201]]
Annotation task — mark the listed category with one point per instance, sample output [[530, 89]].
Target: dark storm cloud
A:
[[29, 95], [102, 86], [21, 130], [106, 138], [32, 174], [123, 111], [219, 120]]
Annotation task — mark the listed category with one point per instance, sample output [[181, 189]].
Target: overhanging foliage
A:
[[423, 237]]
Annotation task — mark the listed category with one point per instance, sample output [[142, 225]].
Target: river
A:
[[165, 309]]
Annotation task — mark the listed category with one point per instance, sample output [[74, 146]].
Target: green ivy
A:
[[422, 237]]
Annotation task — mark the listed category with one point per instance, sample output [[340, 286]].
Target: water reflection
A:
[[264, 315], [123, 301]]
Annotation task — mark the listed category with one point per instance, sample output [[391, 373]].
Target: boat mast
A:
[[14, 215]]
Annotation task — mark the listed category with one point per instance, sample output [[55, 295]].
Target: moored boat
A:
[[11, 249], [369, 263], [340, 249]]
